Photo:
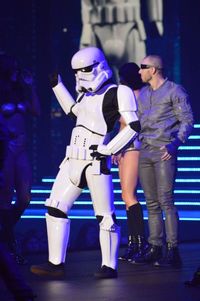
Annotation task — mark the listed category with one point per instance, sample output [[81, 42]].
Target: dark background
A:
[[44, 35]]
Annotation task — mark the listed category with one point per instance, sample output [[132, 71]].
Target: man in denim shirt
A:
[[166, 122]]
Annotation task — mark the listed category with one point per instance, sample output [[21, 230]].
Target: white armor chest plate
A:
[[89, 113], [91, 128]]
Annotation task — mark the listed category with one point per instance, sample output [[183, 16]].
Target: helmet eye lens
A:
[[86, 69]]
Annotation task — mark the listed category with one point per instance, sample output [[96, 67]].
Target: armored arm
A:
[[127, 109], [62, 94]]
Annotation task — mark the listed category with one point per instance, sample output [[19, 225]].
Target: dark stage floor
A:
[[135, 283]]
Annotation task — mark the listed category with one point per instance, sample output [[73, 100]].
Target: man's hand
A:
[[166, 156], [170, 149]]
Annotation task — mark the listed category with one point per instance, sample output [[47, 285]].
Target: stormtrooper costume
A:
[[99, 104]]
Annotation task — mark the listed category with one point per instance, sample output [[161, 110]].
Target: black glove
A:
[[93, 147], [53, 77], [95, 154]]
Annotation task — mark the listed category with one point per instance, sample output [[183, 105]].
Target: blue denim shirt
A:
[[165, 115]]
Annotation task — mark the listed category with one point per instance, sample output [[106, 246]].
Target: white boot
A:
[[58, 230], [109, 241]]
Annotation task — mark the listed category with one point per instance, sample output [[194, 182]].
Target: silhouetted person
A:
[[8, 268], [17, 98]]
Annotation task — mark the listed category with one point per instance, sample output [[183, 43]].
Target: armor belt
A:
[[80, 153]]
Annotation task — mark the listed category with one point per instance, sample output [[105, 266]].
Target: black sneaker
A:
[[105, 273], [151, 255], [49, 269], [171, 259], [195, 280]]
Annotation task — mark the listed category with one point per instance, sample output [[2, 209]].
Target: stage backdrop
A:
[[45, 34]]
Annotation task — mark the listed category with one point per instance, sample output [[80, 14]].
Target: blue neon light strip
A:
[[33, 216], [194, 137], [191, 169], [93, 217], [187, 180], [197, 126], [40, 191], [118, 203], [115, 169], [141, 191], [48, 180], [189, 148], [188, 158], [118, 180], [117, 191], [177, 180]]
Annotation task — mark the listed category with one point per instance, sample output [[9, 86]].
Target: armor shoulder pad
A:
[[111, 93], [126, 99]]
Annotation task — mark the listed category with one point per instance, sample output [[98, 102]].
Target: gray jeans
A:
[[157, 180]]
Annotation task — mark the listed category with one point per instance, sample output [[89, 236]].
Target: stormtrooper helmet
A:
[[91, 69]]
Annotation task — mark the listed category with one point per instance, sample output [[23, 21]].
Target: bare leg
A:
[[128, 172]]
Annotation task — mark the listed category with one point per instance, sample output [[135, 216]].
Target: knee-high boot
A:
[[132, 246], [136, 233]]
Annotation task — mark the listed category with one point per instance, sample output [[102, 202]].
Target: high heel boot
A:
[[131, 249], [142, 246], [136, 232]]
